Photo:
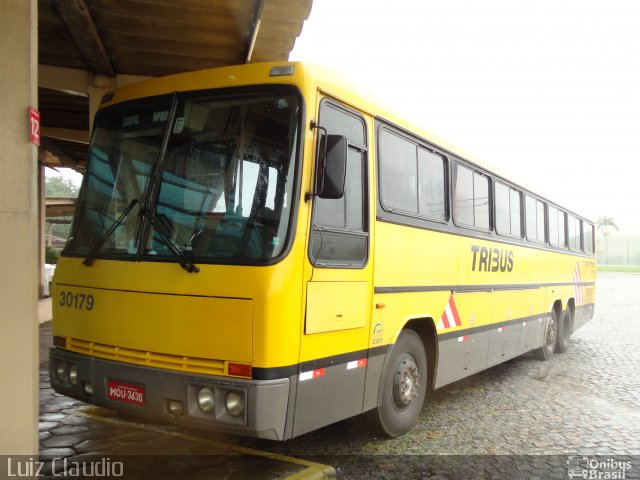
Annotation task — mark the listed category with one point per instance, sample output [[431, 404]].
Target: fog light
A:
[[73, 374], [61, 371], [175, 407], [88, 389], [234, 403], [206, 400]]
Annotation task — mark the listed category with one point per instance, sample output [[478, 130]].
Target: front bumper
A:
[[265, 401]]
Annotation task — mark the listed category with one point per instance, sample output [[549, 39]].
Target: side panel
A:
[[584, 313], [502, 344], [460, 356], [327, 395], [375, 364], [536, 310], [336, 306], [507, 305], [529, 333]]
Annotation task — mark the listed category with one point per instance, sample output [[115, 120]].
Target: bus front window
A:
[[126, 143], [223, 190], [227, 177]]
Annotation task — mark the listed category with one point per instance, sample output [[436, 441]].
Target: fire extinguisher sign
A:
[[34, 125]]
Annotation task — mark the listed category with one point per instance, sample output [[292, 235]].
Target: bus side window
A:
[[573, 226], [508, 205], [471, 199], [535, 220], [587, 238]]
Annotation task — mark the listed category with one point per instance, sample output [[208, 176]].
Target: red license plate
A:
[[125, 392]]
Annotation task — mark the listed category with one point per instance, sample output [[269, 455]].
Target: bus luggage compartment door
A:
[[335, 306]]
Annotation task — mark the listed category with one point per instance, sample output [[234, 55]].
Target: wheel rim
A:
[[551, 333], [406, 382]]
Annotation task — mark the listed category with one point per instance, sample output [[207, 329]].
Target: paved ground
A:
[[581, 404]]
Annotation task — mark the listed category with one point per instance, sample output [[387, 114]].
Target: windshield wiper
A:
[[88, 260], [184, 262]]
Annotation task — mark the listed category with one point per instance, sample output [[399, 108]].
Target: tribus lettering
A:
[[491, 259]]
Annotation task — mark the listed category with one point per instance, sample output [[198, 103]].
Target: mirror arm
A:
[[313, 126]]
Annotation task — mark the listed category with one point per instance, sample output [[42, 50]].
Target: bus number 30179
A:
[[76, 300]]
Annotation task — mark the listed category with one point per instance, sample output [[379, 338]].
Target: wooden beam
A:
[[77, 18], [68, 80], [60, 206], [77, 136], [66, 161], [77, 82], [48, 159]]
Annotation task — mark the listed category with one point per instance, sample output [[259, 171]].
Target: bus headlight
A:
[[234, 403], [73, 374], [61, 371], [206, 400]]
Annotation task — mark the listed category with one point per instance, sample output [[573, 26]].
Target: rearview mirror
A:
[[332, 166]]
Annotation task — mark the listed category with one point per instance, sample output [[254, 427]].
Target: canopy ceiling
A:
[[149, 38]]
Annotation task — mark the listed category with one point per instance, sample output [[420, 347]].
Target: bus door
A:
[[338, 296]]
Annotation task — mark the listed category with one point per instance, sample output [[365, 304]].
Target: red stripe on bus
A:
[[454, 310]]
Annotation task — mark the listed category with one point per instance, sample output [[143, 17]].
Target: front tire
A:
[[550, 338], [403, 387]]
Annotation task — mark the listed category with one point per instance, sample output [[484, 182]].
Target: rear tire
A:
[[564, 332], [403, 387], [550, 338]]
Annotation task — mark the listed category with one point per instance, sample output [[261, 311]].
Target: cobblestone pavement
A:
[[521, 419]]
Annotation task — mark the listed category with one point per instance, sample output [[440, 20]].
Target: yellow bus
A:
[[260, 250]]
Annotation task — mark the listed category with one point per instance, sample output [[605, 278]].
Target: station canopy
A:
[[109, 38]]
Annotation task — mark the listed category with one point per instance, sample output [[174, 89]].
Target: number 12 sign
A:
[[34, 125]]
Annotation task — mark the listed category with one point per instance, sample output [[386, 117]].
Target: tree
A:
[[51, 255], [59, 186], [603, 224]]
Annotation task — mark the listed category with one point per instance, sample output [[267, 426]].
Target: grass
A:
[[619, 268]]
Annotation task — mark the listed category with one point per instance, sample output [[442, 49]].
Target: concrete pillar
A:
[[19, 230], [98, 87], [95, 97]]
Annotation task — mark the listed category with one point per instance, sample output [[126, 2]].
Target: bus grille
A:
[[149, 359]]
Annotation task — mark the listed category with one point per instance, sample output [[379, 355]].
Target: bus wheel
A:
[[403, 387], [550, 338], [564, 332]]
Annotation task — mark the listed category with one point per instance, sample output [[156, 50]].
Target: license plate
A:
[[125, 392]]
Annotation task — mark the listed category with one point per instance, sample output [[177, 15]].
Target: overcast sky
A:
[[545, 91]]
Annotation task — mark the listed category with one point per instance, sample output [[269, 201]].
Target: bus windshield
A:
[[213, 174]]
